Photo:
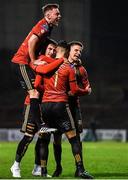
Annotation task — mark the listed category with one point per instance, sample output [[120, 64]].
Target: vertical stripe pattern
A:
[[25, 76], [70, 116]]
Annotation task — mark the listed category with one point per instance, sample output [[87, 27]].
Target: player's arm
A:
[[46, 59], [32, 45], [47, 68], [39, 32], [74, 88], [84, 80], [38, 83]]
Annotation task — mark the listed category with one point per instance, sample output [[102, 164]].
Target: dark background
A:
[[101, 25]]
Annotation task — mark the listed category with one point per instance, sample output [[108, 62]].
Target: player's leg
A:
[[49, 119], [27, 82], [38, 147], [30, 129], [57, 153], [21, 149], [76, 150], [26, 78], [37, 168], [74, 105], [44, 151], [66, 124]]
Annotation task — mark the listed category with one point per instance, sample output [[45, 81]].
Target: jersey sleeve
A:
[[38, 83], [84, 77], [47, 68], [75, 89], [40, 29], [46, 59]]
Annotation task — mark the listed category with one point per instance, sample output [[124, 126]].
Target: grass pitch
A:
[[104, 160]]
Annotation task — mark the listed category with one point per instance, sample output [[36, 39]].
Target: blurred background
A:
[[101, 25]]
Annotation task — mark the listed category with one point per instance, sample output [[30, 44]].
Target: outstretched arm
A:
[[47, 68]]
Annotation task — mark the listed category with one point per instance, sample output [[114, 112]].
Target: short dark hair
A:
[[46, 43], [64, 44], [72, 43], [48, 7], [51, 41]]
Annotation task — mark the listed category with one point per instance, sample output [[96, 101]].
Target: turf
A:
[[104, 160]]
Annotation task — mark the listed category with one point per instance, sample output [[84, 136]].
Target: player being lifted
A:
[[28, 53]]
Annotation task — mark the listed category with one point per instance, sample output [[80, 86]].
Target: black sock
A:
[[57, 154], [35, 111], [44, 150], [81, 150], [37, 151], [78, 136], [76, 150], [22, 147]]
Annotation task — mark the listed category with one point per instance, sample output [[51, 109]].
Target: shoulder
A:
[[43, 25], [82, 68], [41, 28], [68, 65]]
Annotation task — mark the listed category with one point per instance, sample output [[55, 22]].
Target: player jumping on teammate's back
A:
[[28, 52]]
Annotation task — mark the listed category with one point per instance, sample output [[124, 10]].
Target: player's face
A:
[[55, 16], [50, 51], [75, 52]]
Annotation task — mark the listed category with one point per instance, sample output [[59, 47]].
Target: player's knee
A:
[[33, 93], [57, 139], [45, 138], [30, 130], [70, 134]]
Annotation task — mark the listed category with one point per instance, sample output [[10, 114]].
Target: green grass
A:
[[104, 160]]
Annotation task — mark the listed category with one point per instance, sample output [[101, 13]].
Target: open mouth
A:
[[76, 56]]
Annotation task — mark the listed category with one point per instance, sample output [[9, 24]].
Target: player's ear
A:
[[48, 16]]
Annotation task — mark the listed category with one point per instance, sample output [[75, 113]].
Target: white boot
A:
[[15, 169], [36, 170]]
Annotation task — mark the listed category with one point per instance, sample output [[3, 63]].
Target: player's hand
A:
[[88, 89], [36, 63], [65, 60], [70, 93], [39, 62]]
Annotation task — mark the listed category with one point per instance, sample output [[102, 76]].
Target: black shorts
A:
[[58, 115], [25, 75], [74, 106]]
